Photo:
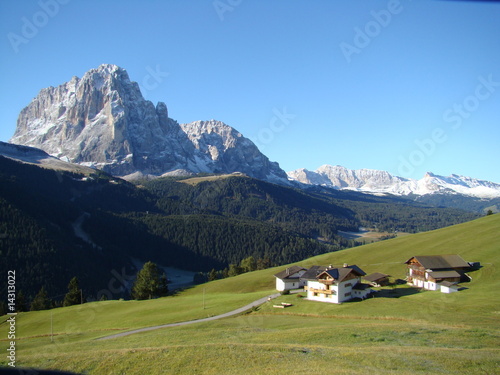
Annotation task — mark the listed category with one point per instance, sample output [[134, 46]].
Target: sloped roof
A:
[[448, 283], [444, 274], [375, 276], [358, 270], [313, 272], [341, 273], [437, 262], [290, 271]]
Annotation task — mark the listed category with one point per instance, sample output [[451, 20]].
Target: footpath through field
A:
[[225, 315]]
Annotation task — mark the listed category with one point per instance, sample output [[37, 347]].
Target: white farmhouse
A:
[[290, 278], [335, 285]]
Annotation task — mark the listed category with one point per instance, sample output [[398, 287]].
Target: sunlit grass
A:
[[402, 330]]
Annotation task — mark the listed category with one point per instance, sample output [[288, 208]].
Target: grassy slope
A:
[[196, 180], [401, 331]]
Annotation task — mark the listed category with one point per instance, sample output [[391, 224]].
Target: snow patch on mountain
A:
[[381, 182]]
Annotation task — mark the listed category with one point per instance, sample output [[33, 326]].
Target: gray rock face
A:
[[103, 121]]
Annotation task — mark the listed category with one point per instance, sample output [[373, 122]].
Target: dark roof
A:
[[436, 262], [313, 272], [338, 274], [290, 271], [447, 283], [341, 273], [444, 274], [375, 276], [358, 270]]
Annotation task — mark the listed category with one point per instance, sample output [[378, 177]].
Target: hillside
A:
[[57, 224], [475, 241], [401, 331]]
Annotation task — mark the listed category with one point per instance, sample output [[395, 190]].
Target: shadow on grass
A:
[[395, 292]]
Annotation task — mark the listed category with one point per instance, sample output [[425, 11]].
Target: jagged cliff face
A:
[[102, 120], [340, 177], [229, 151]]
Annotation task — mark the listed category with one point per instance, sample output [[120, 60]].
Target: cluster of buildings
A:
[[340, 284]]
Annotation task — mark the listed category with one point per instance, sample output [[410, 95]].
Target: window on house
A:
[[348, 284], [347, 294]]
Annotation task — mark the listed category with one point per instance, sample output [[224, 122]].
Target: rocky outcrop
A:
[[103, 121]]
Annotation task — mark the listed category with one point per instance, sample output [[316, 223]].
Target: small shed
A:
[[448, 287], [377, 279]]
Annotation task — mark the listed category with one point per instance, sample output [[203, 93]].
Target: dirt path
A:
[[225, 315]]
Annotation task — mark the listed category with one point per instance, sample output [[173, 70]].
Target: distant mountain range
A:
[[381, 182], [102, 121]]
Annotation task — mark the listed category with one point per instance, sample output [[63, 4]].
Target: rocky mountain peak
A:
[[103, 121]]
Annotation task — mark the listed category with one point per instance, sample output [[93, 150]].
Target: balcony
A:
[[322, 291], [327, 282]]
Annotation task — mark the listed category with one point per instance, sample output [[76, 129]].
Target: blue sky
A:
[[403, 86]]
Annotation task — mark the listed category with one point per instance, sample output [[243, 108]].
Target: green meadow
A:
[[400, 331]]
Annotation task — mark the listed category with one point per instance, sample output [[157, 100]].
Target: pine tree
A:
[[234, 270], [212, 275], [248, 264], [21, 302], [263, 263], [73, 297], [149, 283], [3, 308], [41, 301], [199, 278]]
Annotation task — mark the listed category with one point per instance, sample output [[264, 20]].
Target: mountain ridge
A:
[[382, 182], [103, 121]]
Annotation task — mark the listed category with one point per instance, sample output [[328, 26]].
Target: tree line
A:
[[150, 282]]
